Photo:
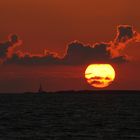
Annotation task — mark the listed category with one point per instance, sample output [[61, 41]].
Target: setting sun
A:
[[100, 75]]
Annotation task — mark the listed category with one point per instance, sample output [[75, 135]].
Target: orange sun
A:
[[100, 75]]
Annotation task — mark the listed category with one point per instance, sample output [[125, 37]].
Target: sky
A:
[[44, 41]]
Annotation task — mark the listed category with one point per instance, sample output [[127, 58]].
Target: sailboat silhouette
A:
[[40, 90]]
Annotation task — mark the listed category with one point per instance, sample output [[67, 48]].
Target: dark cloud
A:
[[125, 35], [77, 53], [33, 60], [107, 78], [98, 78], [4, 49], [7, 47], [14, 39], [97, 83]]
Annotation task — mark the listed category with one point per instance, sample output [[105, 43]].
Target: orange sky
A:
[[52, 24]]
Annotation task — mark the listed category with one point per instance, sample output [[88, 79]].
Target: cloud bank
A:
[[77, 53]]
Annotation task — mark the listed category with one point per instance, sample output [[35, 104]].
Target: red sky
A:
[[52, 25]]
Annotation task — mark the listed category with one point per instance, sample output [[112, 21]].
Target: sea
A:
[[70, 116]]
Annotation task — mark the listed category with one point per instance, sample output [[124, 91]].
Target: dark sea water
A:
[[70, 116]]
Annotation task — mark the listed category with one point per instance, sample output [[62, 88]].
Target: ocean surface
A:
[[70, 116]]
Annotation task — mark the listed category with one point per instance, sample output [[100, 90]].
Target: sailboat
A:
[[40, 90]]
